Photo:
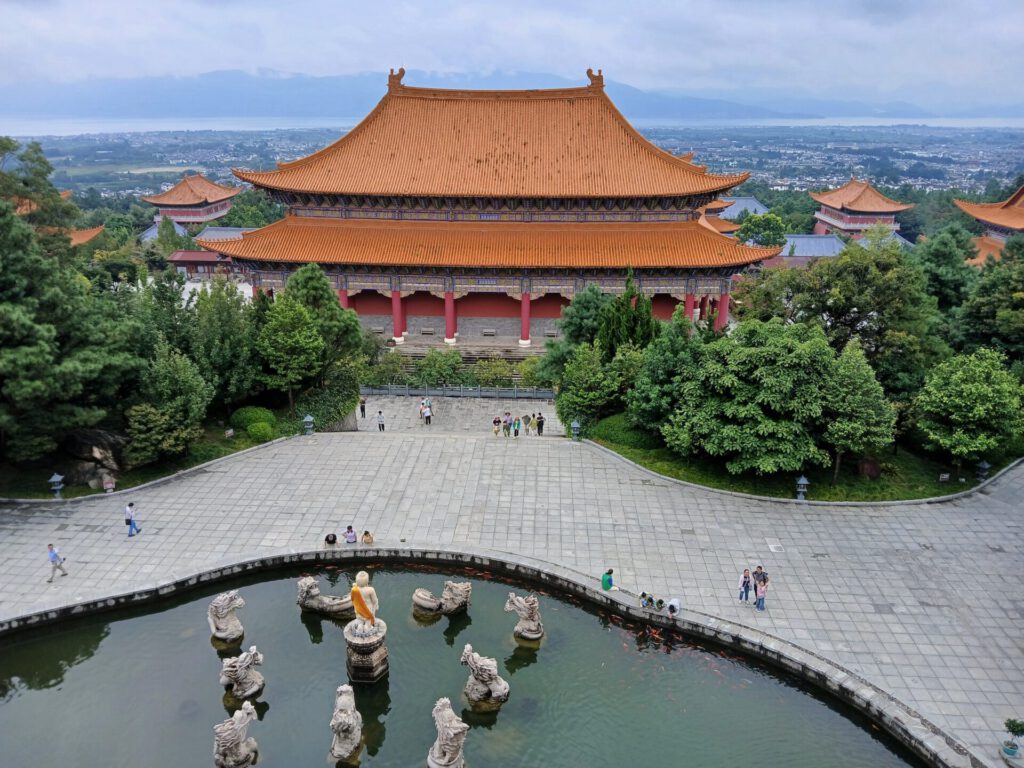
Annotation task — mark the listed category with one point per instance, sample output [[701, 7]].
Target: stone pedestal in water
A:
[[367, 653]]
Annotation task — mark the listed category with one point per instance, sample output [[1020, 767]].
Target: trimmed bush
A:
[[332, 403], [493, 372], [260, 431], [244, 417], [618, 431]]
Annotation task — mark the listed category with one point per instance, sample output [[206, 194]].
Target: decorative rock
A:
[[239, 673], [224, 625], [528, 609], [451, 737], [231, 748], [454, 599], [310, 599], [364, 635], [347, 726], [485, 689]]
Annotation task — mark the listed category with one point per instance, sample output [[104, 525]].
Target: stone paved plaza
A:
[[923, 600]]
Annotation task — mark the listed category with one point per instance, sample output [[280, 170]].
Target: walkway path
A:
[[923, 600]]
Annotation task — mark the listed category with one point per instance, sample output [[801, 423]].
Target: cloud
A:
[[851, 49]]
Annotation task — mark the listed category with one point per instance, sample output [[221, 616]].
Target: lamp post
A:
[[575, 427], [801, 487], [981, 470], [56, 484], [308, 422]]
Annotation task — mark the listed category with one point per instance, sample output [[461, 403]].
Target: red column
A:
[[524, 321], [722, 319], [704, 307], [450, 322], [255, 291], [396, 317], [690, 301], [343, 297]]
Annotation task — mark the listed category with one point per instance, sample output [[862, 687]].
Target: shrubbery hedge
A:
[[248, 415]]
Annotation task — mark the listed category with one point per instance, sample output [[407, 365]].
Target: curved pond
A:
[[119, 690]]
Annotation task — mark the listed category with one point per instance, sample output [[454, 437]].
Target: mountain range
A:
[[274, 94]]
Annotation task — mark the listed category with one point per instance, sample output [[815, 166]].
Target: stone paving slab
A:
[[923, 600]]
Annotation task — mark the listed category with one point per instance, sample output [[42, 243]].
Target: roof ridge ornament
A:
[[596, 81], [395, 78]]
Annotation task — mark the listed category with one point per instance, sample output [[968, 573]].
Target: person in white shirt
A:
[[129, 519]]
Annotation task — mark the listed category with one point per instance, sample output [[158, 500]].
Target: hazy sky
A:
[[931, 51]]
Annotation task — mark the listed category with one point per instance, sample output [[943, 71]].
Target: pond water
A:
[[142, 689]]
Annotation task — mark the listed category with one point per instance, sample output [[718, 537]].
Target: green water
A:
[[142, 690]]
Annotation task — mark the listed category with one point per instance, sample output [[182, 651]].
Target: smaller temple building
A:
[[855, 207], [1001, 221], [193, 200]]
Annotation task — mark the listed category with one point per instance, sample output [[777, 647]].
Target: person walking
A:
[[506, 424], [380, 421], [745, 583], [540, 425], [362, 407], [129, 519], [761, 591], [516, 424], [427, 413], [526, 424], [497, 425], [56, 562]]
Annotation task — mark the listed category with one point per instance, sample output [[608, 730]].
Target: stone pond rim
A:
[[922, 737]]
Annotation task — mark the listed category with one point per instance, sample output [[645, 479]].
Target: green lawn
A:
[[905, 475], [21, 482]]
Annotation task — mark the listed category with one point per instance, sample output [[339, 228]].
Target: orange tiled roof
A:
[[1009, 213], [83, 236], [859, 197], [724, 226], [717, 206], [193, 190], [986, 246], [490, 244], [564, 142]]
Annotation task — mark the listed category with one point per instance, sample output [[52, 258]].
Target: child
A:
[[516, 424], [761, 591], [497, 425]]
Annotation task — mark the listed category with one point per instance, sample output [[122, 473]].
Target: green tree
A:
[[949, 278], [587, 390], [872, 291], [338, 327], [668, 361], [580, 322], [765, 229], [167, 238], [626, 319], [164, 311], [177, 392], [441, 367], [768, 294], [624, 369], [994, 314], [64, 348], [857, 416], [493, 372], [970, 405], [291, 346], [756, 398], [252, 208], [223, 344]]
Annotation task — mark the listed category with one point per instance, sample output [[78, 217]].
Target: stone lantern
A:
[[801, 487], [308, 422], [56, 484]]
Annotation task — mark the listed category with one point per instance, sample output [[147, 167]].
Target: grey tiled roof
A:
[[739, 204], [812, 246], [224, 233]]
